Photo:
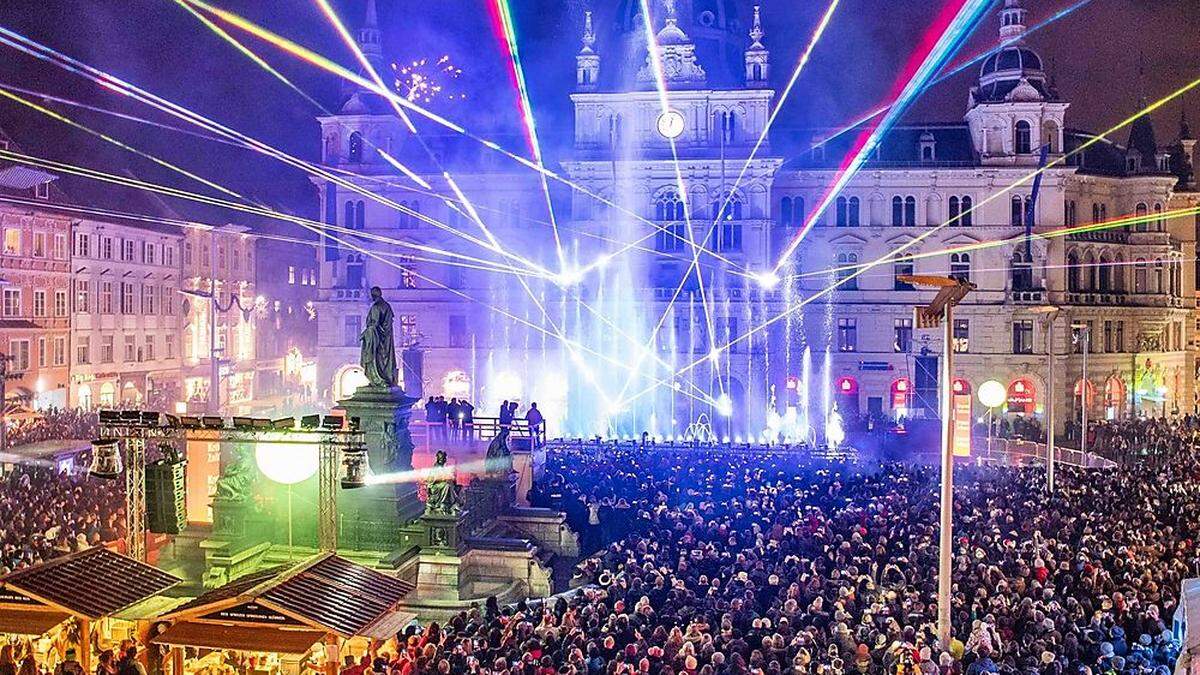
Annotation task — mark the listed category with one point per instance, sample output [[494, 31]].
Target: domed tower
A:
[[1013, 109], [715, 27]]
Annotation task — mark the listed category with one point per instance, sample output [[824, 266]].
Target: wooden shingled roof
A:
[[92, 584], [325, 592]]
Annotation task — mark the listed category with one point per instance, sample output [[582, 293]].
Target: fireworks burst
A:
[[424, 81]]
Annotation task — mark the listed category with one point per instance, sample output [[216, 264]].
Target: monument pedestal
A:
[[377, 511]]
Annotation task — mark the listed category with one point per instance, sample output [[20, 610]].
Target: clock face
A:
[[670, 124]]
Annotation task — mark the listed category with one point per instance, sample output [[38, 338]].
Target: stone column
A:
[[375, 512]]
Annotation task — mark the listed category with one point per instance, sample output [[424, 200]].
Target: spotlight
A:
[[767, 279], [355, 423], [725, 405], [715, 355], [189, 422], [568, 277], [250, 423], [171, 421], [131, 416], [110, 417], [283, 424], [310, 422], [331, 423], [212, 422], [356, 468], [106, 459]]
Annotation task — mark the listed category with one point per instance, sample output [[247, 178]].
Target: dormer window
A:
[[42, 190], [1164, 163], [1131, 164], [928, 147]]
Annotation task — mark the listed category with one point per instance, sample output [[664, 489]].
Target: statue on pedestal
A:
[[378, 354], [499, 457], [237, 477], [443, 493]]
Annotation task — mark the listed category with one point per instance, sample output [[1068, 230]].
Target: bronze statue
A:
[[378, 356], [237, 477], [499, 458], [443, 494]]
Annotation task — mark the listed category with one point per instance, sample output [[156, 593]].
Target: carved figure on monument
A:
[[237, 478], [378, 355], [499, 458], [443, 492]]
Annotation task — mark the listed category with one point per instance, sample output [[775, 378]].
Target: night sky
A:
[[1094, 55]]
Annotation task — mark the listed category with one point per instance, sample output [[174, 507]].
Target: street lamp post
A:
[[1050, 312], [951, 291]]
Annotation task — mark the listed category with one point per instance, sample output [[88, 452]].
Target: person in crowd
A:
[[454, 419], [536, 421], [468, 418], [506, 414], [69, 665]]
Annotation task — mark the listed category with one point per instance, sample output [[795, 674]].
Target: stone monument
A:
[[443, 515], [383, 410]]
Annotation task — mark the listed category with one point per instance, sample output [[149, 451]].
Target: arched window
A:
[[897, 211], [360, 215], [1024, 138], [1159, 279], [855, 211], [668, 206], [968, 212], [927, 153], [961, 214], [846, 263], [1104, 274], [1050, 135], [1139, 276], [910, 211], [1095, 212], [1118, 274], [1159, 223], [785, 211], [960, 266], [1073, 272], [1022, 270], [614, 130], [1141, 211], [1089, 273], [900, 269], [955, 207], [730, 130], [1017, 214], [355, 155], [348, 216], [355, 271]]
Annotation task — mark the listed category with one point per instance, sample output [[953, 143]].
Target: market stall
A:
[[80, 599], [282, 617]]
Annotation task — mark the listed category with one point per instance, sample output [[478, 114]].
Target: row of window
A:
[[1107, 274], [1112, 340], [45, 245], [103, 247], [306, 276], [134, 352], [354, 215], [723, 237], [226, 257], [13, 305], [848, 211], [352, 327], [107, 297], [51, 352], [669, 207], [1020, 270]]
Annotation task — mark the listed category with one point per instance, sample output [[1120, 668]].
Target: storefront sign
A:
[[962, 425], [251, 612]]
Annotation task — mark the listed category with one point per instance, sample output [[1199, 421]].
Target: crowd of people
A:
[[711, 564], [51, 425], [46, 513]]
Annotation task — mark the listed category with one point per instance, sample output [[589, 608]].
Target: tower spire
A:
[[587, 61], [1012, 21], [757, 56], [756, 32], [370, 38]]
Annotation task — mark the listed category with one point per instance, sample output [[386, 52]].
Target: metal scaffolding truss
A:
[[133, 430]]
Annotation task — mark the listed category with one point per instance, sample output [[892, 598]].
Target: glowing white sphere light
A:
[[992, 394]]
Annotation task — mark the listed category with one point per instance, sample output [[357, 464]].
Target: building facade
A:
[[125, 323], [285, 309], [625, 328], [218, 310], [35, 283]]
